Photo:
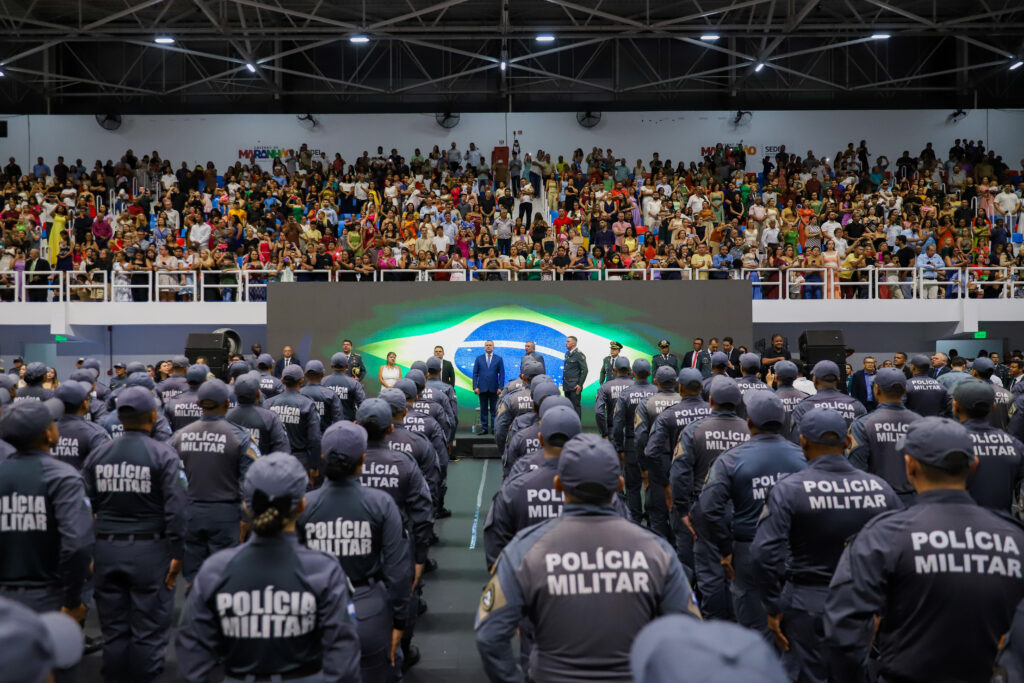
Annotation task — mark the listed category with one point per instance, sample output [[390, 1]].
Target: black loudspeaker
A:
[[216, 347], [819, 345]]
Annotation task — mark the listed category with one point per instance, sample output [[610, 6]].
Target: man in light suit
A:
[[488, 379], [447, 369], [288, 358], [530, 351]]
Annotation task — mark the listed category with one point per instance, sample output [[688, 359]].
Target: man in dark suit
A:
[[694, 359], [530, 351], [34, 264], [940, 365], [862, 384], [287, 358], [447, 369], [666, 357], [488, 379], [734, 357]]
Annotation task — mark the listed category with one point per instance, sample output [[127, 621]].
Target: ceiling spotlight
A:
[[359, 39], [251, 67], [504, 65], [1016, 65], [760, 65], [880, 36], [545, 38], [710, 37], [164, 40], [2, 74]]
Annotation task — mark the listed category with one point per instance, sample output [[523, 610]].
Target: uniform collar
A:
[[288, 538], [978, 423], [767, 437], [891, 406], [347, 482], [31, 453], [582, 510], [833, 462], [211, 417], [945, 496], [723, 412], [72, 416]]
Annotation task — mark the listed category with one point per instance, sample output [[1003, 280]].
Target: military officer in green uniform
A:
[[356, 368], [574, 373], [608, 364]]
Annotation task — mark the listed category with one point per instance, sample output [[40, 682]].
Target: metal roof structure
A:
[[92, 56]]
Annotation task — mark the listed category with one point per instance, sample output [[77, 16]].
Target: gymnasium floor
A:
[[444, 634]]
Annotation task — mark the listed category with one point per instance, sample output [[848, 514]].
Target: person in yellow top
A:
[[60, 225], [238, 212], [701, 261], [854, 260]]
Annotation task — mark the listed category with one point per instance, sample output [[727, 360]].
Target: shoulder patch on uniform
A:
[[493, 598]]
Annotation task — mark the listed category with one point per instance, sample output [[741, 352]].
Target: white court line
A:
[[479, 500]]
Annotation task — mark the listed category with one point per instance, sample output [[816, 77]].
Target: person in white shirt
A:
[[1007, 204], [695, 203], [770, 234], [199, 235], [829, 227], [474, 157], [841, 244]]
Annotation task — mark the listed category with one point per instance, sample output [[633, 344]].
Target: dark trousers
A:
[[488, 409], [712, 582], [634, 482], [525, 209], [684, 547], [210, 527], [746, 595], [373, 622], [802, 610], [134, 607], [657, 510], [574, 398], [504, 245]]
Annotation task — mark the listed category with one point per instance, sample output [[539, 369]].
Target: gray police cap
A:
[[589, 462], [543, 391], [826, 369], [135, 366], [642, 367], [621, 363], [292, 373], [265, 360], [395, 398], [552, 402], [247, 387], [314, 367], [277, 476], [921, 361], [35, 372], [407, 387], [530, 369], [374, 411], [344, 443], [120, 364], [689, 376], [418, 377], [984, 365], [84, 374], [540, 379], [213, 392], [889, 379], [141, 379], [665, 376], [32, 645], [712, 651], [719, 359], [932, 439], [724, 391], [419, 365], [72, 392], [786, 371], [92, 364], [750, 361], [434, 364], [25, 421], [824, 426], [136, 400], [973, 394], [560, 420], [238, 368], [179, 362], [339, 360], [197, 374], [764, 408], [7, 381]]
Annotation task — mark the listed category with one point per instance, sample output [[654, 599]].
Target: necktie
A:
[[693, 361], [287, 362], [488, 360]]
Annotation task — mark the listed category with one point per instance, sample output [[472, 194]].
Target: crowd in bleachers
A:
[[851, 226]]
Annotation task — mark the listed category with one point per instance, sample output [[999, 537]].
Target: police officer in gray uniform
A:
[[162, 428], [270, 386], [176, 383], [182, 409], [944, 555], [350, 392], [362, 527], [530, 499], [750, 365], [700, 444], [525, 437], [120, 375], [8, 386], [428, 428], [34, 646], [216, 455], [719, 366], [526, 448], [999, 416], [78, 436], [430, 403], [514, 403], [925, 396], [271, 609], [655, 500], [826, 379], [300, 419], [435, 385], [46, 533], [604, 404], [133, 368], [264, 426], [97, 406], [587, 580], [100, 388], [398, 475], [739, 481], [786, 373], [33, 390], [574, 372], [414, 445], [623, 436], [874, 436], [996, 482], [328, 405], [138, 492], [809, 517]]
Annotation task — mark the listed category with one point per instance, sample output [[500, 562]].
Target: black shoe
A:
[[92, 644], [411, 658], [430, 566], [443, 513], [421, 608]]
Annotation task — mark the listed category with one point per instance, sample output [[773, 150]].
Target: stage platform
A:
[[470, 445]]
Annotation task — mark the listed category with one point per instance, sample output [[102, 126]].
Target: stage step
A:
[[470, 445]]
